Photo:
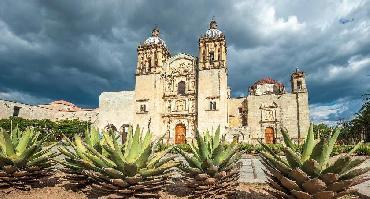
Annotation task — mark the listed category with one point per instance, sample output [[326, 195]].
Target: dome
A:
[[154, 39], [213, 32], [267, 86]]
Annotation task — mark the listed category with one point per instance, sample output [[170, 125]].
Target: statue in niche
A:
[[180, 105], [268, 115]]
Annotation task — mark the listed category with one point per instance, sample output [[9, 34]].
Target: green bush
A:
[[54, 130], [364, 150]]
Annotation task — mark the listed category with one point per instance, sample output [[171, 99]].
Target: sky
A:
[[74, 50]]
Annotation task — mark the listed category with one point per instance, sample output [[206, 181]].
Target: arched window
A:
[[212, 106], [181, 88], [299, 84], [211, 57]]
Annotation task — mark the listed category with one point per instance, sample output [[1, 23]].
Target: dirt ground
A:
[[55, 188]]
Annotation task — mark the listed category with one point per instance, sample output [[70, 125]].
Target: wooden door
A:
[[180, 132], [269, 135]]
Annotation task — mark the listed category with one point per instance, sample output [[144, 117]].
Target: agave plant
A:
[[211, 168], [313, 173], [75, 162], [129, 169], [23, 159]]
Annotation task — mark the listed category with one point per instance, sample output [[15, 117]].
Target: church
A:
[[177, 94]]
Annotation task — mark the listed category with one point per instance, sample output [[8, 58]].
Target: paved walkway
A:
[[251, 172]]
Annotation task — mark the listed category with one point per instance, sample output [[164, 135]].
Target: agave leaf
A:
[[87, 136], [15, 134], [194, 150], [277, 164], [191, 160], [352, 164], [99, 157], [329, 148], [42, 159], [288, 142], [115, 157], [338, 165], [6, 144], [311, 167], [143, 158], [113, 173], [147, 140], [227, 154], [308, 145], [354, 173], [80, 148], [24, 142], [159, 170], [43, 151], [293, 159], [355, 148], [108, 139], [23, 158], [271, 152], [94, 137], [164, 160], [157, 157], [133, 152], [203, 149], [72, 166], [318, 150], [66, 152], [187, 169], [216, 138]]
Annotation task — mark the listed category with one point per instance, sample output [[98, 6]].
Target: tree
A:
[[358, 128]]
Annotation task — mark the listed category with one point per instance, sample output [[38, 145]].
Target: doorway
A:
[[269, 135], [180, 133]]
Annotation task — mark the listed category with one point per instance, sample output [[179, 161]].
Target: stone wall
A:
[[116, 108], [27, 111], [235, 112], [278, 111]]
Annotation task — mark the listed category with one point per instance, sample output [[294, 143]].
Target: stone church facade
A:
[[175, 95]]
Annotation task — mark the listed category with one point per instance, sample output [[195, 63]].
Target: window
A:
[[211, 57], [16, 111], [240, 110], [181, 88], [143, 108], [219, 54], [212, 106], [299, 84]]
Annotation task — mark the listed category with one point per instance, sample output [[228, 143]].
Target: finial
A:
[[213, 23], [155, 31], [297, 69]]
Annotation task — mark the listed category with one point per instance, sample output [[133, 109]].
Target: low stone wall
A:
[[27, 111]]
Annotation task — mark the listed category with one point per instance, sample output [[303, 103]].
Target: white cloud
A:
[[331, 113]]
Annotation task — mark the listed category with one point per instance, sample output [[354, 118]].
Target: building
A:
[[177, 94]]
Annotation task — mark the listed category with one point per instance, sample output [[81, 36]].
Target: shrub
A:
[[53, 130]]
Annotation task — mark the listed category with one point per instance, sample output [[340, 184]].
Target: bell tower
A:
[[298, 82], [212, 48], [300, 93], [151, 54], [212, 80]]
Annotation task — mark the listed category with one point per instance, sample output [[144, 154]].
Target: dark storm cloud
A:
[[74, 50]]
